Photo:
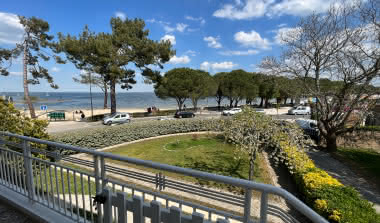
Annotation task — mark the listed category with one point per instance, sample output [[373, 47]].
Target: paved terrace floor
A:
[[8, 214]]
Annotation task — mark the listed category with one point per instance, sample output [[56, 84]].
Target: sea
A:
[[81, 100]]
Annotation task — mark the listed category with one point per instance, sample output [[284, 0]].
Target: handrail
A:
[[248, 185]]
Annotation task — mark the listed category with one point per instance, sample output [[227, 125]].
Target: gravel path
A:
[[346, 176], [10, 215]]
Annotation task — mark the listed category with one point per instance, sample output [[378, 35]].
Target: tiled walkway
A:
[[10, 215]]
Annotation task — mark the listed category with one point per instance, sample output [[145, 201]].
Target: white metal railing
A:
[[70, 191]]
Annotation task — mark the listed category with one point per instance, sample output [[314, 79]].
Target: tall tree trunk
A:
[[105, 96], [292, 101], [236, 103], [231, 102], [285, 99], [195, 103], [25, 81], [261, 102], [251, 166], [331, 144], [179, 103], [266, 102], [218, 100], [113, 95]]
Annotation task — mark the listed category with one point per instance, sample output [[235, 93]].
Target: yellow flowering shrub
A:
[[296, 158], [335, 216], [320, 205], [317, 179]]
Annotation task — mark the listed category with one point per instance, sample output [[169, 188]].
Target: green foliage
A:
[[12, 121], [184, 83], [5, 55], [237, 85], [344, 204], [249, 130], [286, 142], [375, 128], [109, 54], [103, 137], [36, 37]]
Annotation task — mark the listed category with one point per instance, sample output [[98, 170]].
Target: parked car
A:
[[260, 110], [117, 118], [310, 128], [300, 110], [184, 114], [232, 111]]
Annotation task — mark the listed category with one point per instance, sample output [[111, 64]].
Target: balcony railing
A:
[[95, 190]]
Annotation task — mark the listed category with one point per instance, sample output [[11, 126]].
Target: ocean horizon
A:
[[81, 100]]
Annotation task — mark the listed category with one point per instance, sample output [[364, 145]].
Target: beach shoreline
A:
[[74, 115]]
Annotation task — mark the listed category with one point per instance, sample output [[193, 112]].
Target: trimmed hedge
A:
[[375, 128], [325, 194], [113, 135]]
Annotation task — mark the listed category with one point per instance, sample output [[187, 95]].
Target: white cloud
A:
[[257, 8], [201, 20], [15, 73], [171, 38], [191, 53], [179, 60], [157, 21], [299, 7], [168, 29], [239, 53], [181, 27], [251, 39], [251, 9], [213, 42], [55, 69], [281, 25], [217, 66], [11, 30], [285, 33], [121, 15]]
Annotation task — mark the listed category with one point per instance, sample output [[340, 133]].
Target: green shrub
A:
[[325, 194], [113, 135], [375, 128]]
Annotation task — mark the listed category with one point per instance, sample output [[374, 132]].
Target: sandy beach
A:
[[73, 116]]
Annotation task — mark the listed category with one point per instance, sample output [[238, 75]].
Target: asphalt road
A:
[[66, 126]]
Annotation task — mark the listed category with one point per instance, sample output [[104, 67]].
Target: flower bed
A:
[[325, 194]]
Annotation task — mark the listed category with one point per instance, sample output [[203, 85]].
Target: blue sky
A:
[[213, 35]]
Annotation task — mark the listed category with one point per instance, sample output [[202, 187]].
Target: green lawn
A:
[[69, 182], [368, 161], [199, 152]]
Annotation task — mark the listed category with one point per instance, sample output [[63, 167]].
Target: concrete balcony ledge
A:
[[34, 210]]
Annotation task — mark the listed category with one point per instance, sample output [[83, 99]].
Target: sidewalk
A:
[[346, 176]]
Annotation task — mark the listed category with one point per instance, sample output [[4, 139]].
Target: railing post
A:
[[247, 205], [107, 205], [263, 207], [28, 170], [98, 186]]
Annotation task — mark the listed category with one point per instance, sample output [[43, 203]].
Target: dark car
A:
[[184, 114]]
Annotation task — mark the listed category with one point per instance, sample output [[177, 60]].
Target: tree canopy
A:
[[337, 57], [112, 53]]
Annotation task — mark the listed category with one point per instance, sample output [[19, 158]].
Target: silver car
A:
[[300, 110], [117, 118]]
